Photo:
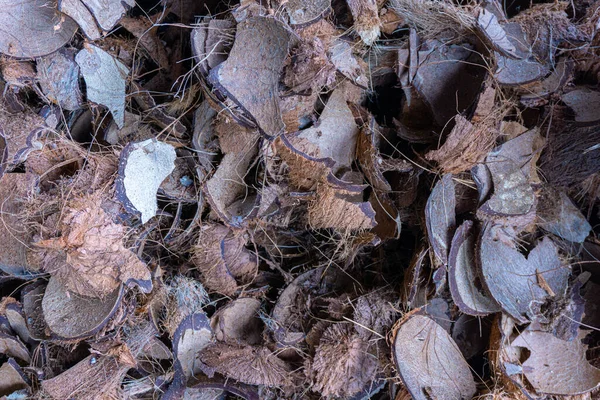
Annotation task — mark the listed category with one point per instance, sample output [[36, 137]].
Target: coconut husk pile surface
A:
[[340, 199]]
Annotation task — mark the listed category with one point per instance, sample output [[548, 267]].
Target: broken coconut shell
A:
[[70, 316], [12, 378], [11, 346], [440, 217], [519, 284], [143, 166], [463, 277], [250, 78], [223, 260], [238, 322], [58, 77], [192, 336], [33, 28], [429, 361], [555, 366], [105, 80], [585, 104], [558, 215]]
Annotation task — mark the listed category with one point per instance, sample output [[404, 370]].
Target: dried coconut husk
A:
[[94, 377], [184, 297], [13, 378], [238, 322], [227, 185], [341, 208], [250, 79], [15, 191], [518, 284], [71, 317], [470, 141], [366, 19], [433, 18], [16, 134], [344, 363], [211, 42], [222, 259], [79, 257], [428, 360], [253, 365], [290, 318], [570, 156], [308, 68]]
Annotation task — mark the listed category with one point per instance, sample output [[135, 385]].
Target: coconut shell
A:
[[250, 78], [11, 346], [16, 317], [105, 80], [70, 316], [223, 260], [555, 366], [12, 378], [440, 217], [193, 335], [78, 10], [31, 30], [585, 104], [463, 276], [519, 284], [238, 322], [429, 361], [558, 215], [58, 77]]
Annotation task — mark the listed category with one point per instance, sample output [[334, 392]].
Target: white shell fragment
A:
[[142, 168], [105, 78]]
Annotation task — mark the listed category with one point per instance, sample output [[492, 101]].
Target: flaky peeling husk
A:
[[253, 365], [423, 351], [341, 208], [72, 317], [222, 259], [344, 363], [79, 257], [94, 378], [14, 192], [415, 290]]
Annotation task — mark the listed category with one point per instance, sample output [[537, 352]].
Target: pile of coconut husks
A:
[[303, 199]]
